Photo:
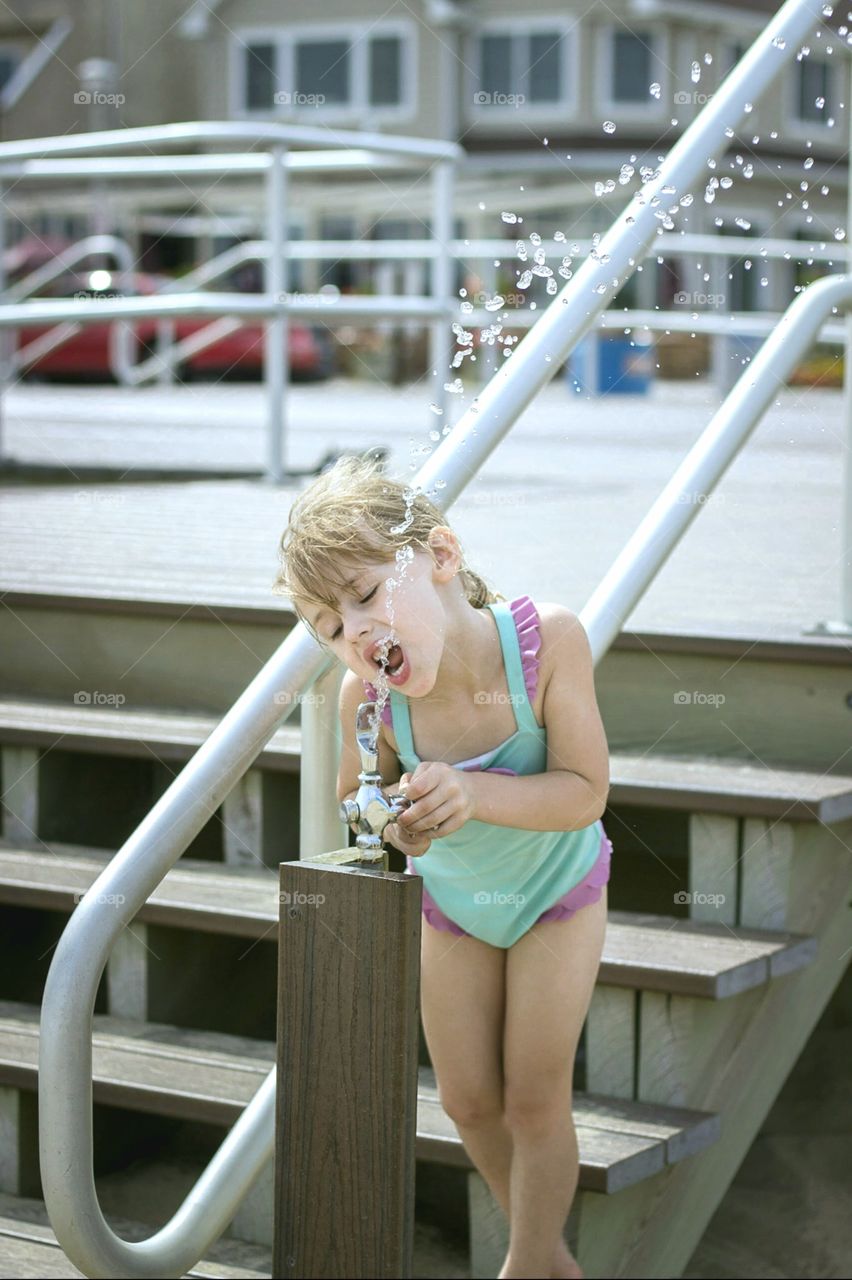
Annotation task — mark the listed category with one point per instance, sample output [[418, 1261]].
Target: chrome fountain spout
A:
[[370, 811]]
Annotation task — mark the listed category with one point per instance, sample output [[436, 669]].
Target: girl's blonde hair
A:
[[349, 516]]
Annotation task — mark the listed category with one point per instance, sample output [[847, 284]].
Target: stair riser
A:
[[96, 658], [793, 713]]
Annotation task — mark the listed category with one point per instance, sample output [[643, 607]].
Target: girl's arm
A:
[[571, 794]]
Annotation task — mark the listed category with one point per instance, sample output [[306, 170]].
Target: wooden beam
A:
[[346, 1113]]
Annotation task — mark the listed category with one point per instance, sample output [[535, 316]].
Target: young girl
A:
[[492, 730]]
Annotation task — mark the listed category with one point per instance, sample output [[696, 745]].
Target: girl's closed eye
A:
[[365, 600]]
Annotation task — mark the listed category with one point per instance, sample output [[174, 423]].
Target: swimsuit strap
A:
[[515, 676]]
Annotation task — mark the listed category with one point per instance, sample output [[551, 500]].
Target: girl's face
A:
[[393, 614]]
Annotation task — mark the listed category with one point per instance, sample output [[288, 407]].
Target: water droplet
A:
[[695, 72], [819, 102], [726, 182], [559, 236], [509, 217], [434, 435], [482, 204], [525, 280], [436, 408], [609, 126], [495, 303], [779, 42], [655, 90], [839, 233], [748, 108], [467, 307], [462, 293], [600, 288], [535, 238]]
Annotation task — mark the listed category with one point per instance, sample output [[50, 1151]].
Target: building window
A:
[[260, 76], [814, 87], [322, 70], [520, 67], [385, 87], [544, 79], [346, 70], [632, 66], [741, 275], [495, 64]]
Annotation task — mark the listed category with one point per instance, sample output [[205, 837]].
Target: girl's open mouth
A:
[[395, 665]]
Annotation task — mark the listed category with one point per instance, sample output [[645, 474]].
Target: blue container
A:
[[602, 364]]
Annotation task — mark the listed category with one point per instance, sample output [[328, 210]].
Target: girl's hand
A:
[[441, 801], [412, 845]]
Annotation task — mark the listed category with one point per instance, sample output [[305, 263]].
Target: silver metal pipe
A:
[[253, 306], [199, 132], [276, 361]]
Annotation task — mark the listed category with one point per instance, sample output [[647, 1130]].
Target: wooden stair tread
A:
[[729, 786], [698, 783], [172, 734], [29, 1244], [651, 952], [210, 1076]]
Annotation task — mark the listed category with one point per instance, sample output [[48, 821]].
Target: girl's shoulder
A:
[[562, 640]]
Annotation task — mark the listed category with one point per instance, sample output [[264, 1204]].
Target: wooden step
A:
[[208, 1076], [109, 730], [28, 1246], [651, 952], [694, 783]]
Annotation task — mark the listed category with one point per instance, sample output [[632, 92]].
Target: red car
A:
[[85, 355]]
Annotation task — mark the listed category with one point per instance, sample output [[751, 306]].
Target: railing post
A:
[[346, 1109], [320, 827], [276, 353], [440, 344]]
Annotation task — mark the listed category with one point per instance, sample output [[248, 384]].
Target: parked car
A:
[[85, 355]]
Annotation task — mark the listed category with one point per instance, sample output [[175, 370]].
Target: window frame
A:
[[284, 40], [537, 24]]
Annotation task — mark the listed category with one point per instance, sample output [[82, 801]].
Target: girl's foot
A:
[[565, 1266]]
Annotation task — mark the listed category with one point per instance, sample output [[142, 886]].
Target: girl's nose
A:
[[354, 625]]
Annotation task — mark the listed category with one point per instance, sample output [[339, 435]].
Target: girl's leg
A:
[[550, 977], [462, 1000]]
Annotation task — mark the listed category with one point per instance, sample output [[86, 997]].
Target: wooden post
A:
[[346, 1110]]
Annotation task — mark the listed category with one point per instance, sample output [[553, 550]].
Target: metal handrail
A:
[[93, 151], [65, 1055], [60, 333]]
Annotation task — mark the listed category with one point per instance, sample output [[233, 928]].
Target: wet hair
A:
[[352, 515]]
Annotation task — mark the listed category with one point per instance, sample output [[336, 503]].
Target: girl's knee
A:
[[536, 1103], [471, 1108]]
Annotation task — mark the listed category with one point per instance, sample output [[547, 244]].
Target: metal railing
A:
[[65, 1062], [33, 160]]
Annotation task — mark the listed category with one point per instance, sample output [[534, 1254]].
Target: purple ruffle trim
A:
[[582, 895], [527, 624]]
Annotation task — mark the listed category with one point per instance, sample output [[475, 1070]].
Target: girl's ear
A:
[[446, 552]]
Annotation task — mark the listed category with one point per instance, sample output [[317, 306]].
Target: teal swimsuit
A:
[[496, 882]]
